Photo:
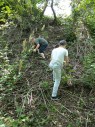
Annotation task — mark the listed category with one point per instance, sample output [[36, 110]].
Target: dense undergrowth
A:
[[26, 85], [26, 80]]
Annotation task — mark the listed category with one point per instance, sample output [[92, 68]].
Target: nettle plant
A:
[[7, 70], [12, 72], [89, 70]]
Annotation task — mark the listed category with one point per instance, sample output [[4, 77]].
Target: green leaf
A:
[[8, 9]]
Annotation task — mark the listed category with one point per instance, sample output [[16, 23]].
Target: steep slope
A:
[[27, 103]]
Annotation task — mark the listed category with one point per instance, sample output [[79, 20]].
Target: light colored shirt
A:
[[58, 54]]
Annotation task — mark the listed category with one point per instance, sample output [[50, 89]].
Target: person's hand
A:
[[34, 50], [69, 82]]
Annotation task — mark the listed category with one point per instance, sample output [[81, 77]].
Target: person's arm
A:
[[38, 45], [66, 59]]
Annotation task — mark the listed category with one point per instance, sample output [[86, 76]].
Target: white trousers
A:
[[56, 77]]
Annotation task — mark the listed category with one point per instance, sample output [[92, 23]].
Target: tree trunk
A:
[[55, 18], [45, 6]]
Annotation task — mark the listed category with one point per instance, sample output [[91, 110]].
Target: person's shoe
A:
[[55, 98]]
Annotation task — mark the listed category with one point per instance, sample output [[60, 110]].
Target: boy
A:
[[58, 56], [40, 45]]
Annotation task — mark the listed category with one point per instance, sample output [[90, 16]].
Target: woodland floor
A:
[[32, 97]]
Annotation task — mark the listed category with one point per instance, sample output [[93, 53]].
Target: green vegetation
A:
[[26, 80]]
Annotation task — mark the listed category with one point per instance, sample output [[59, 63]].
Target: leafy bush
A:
[[88, 77], [12, 72], [68, 29]]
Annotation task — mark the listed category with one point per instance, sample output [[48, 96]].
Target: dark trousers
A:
[[42, 48]]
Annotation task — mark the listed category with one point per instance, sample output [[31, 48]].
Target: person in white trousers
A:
[[59, 56]]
